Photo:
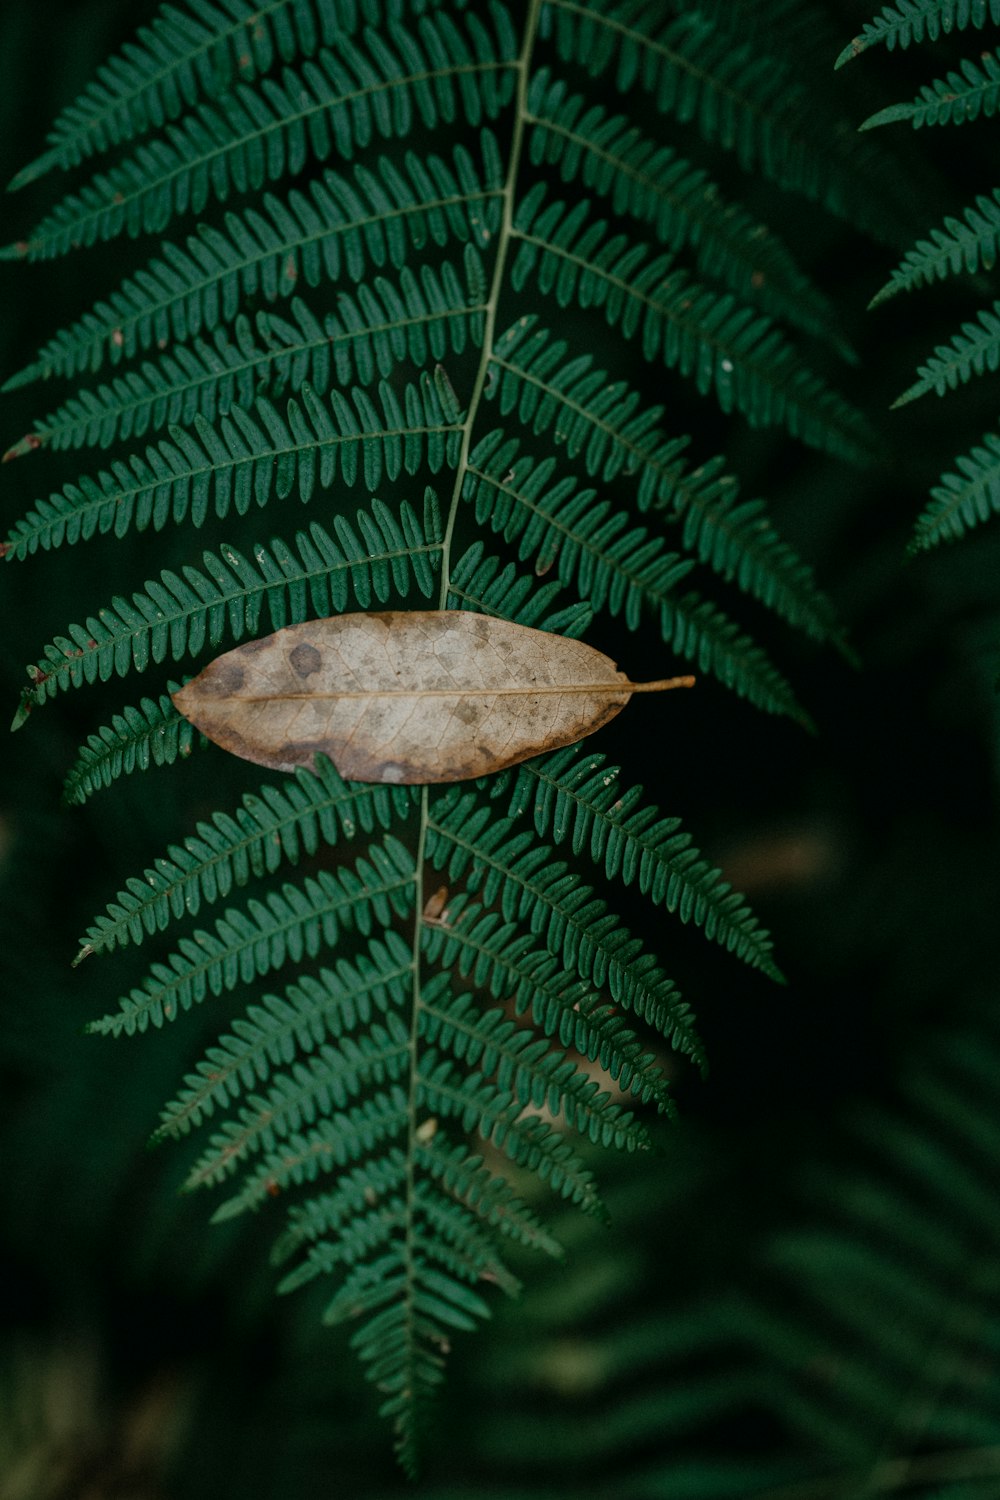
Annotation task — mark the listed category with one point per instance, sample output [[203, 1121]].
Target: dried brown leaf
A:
[[406, 696]]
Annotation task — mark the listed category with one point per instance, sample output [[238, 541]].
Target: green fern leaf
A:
[[431, 74], [912, 20], [585, 542], [423, 319], [974, 351], [463, 1245], [382, 555], [388, 210], [967, 244], [963, 500], [658, 187], [312, 807], [728, 350], [574, 796], [959, 97], [465, 1178], [154, 734], [251, 455]]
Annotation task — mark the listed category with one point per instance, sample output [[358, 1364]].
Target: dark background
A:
[[145, 1355]]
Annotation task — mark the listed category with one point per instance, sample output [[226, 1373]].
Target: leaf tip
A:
[[30, 443]]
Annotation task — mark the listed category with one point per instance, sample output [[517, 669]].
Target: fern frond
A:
[[335, 227], [433, 74], [295, 346], [914, 20], [467, 843], [154, 733], [655, 185], [421, 320], [176, 616], [727, 349], [974, 351], [267, 829], [601, 421], [614, 568], [326, 1213], [402, 1346], [250, 455], [959, 97], [715, 644], [963, 500], [181, 57], [582, 540], [292, 924], [574, 796], [967, 244]]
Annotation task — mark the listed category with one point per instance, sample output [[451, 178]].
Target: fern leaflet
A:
[[912, 20], [956, 99], [963, 500]]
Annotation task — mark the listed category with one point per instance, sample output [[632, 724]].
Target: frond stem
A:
[[522, 66], [412, 1128], [505, 234]]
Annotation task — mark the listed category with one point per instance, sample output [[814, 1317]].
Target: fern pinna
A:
[[389, 224]]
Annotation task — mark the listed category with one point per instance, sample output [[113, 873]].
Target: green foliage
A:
[[961, 96], [962, 500], [965, 245], [456, 1008], [916, 20], [151, 734]]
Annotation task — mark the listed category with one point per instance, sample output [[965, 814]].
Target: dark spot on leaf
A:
[[225, 680], [305, 659]]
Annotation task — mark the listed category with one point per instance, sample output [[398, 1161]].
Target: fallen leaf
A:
[[407, 695]]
